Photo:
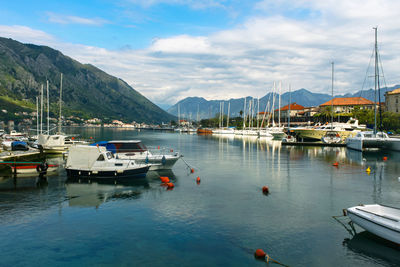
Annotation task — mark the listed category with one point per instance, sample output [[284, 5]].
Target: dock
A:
[[312, 144]]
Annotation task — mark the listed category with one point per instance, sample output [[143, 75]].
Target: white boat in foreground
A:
[[96, 162], [383, 221]]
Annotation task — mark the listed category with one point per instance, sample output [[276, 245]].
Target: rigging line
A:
[[366, 73], [383, 75]]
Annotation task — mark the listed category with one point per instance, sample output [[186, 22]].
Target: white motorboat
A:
[[383, 221], [331, 137], [96, 162], [57, 143], [159, 158]]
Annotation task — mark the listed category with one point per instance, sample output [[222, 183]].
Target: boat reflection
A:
[[374, 248], [93, 193]]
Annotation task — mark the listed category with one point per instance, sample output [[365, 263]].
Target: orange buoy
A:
[[198, 180], [384, 158], [170, 185], [336, 164], [265, 189], [164, 179], [260, 254], [91, 137], [158, 147], [192, 170], [171, 150]]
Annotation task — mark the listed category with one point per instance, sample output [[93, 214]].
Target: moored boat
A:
[[381, 220], [32, 169], [159, 158], [96, 162]]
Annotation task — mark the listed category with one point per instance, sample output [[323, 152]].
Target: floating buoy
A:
[[158, 147], [192, 170], [164, 179], [265, 190], [170, 185], [336, 164], [384, 158], [260, 254], [368, 169], [171, 150], [91, 137], [198, 180]]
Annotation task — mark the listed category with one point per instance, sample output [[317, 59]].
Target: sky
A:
[[217, 49]]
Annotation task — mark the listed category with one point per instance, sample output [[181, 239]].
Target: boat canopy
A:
[[122, 146], [83, 157]]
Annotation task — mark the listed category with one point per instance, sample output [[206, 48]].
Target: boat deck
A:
[[386, 212]]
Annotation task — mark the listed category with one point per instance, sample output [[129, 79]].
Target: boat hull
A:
[[108, 174], [31, 169], [312, 134], [386, 228]]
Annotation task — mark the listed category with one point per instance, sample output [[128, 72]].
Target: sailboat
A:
[[331, 136], [55, 143], [374, 139], [290, 138]]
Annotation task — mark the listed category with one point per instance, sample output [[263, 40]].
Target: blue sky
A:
[[217, 49]]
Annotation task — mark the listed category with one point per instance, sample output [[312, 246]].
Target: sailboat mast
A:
[[332, 99], [41, 109], [229, 109], [37, 116], [290, 100], [279, 104], [48, 108], [244, 113], [59, 119], [376, 73]]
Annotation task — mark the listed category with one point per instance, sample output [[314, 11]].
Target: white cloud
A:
[[25, 34], [65, 19], [246, 59]]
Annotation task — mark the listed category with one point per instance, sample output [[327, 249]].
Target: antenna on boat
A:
[[59, 119]]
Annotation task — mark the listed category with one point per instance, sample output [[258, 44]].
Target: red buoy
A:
[[158, 147], [385, 158], [265, 189], [198, 180], [260, 254], [192, 170], [170, 185], [336, 164], [164, 179]]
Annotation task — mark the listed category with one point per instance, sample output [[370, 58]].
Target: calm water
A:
[[221, 221]]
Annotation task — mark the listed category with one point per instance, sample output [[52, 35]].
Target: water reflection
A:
[[373, 248]]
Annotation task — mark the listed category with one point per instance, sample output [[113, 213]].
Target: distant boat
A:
[[383, 221], [96, 162]]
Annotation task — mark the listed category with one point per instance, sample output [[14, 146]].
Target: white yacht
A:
[[57, 143], [96, 162], [370, 139], [159, 158], [331, 137], [383, 221]]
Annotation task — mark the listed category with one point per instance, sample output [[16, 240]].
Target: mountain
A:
[[87, 91], [209, 108]]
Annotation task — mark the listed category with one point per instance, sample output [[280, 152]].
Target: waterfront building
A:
[[392, 101], [347, 104]]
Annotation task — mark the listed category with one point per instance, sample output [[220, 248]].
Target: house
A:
[[295, 109], [347, 104], [392, 101]]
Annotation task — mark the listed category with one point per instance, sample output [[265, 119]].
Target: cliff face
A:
[[87, 90]]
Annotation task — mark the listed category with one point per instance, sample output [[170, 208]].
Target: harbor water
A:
[[220, 221]]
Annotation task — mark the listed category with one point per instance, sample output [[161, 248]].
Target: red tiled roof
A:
[[293, 106], [348, 101]]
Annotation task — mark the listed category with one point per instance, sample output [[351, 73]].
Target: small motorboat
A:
[[159, 158], [331, 137], [32, 168], [86, 161], [383, 221]]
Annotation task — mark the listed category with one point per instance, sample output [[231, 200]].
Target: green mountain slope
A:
[[87, 90]]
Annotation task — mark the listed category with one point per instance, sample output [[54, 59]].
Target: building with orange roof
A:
[[347, 104], [392, 101], [294, 110]]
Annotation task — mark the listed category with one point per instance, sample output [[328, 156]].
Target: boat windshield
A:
[[127, 147]]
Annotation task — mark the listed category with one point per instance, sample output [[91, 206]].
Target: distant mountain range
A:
[[191, 106], [87, 91]]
